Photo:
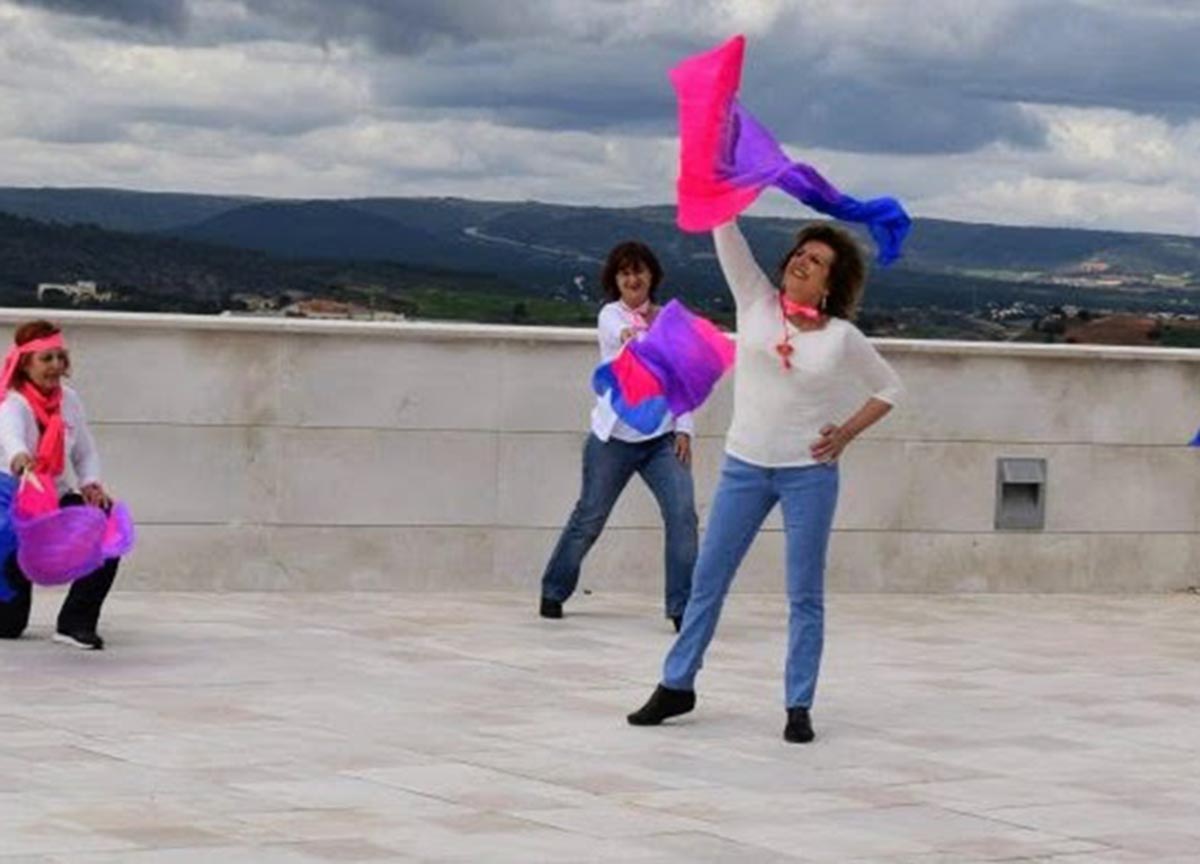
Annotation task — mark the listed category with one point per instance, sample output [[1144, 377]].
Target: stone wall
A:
[[276, 454]]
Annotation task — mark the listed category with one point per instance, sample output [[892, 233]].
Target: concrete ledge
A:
[[265, 453], [446, 330]]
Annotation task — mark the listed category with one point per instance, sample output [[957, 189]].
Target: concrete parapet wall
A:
[[266, 453]]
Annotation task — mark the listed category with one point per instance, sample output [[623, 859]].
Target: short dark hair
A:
[[630, 253], [28, 332], [847, 274]]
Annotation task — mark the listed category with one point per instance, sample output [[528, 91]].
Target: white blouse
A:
[[19, 434], [777, 412]]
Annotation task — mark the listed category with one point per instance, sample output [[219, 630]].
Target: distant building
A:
[[256, 303], [78, 291], [319, 307]]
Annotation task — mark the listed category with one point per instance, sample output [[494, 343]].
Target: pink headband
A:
[[16, 352]]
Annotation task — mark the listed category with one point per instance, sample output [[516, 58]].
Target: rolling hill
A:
[[196, 251]]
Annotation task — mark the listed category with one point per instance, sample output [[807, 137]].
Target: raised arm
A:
[[745, 278]]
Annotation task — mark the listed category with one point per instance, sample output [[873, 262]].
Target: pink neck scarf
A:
[[789, 308], [792, 309], [47, 410], [640, 320]]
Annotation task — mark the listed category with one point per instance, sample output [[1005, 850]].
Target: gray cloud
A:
[[547, 64], [416, 96], [597, 88], [227, 119], [893, 99], [400, 26], [1124, 57], [152, 15], [585, 89], [841, 113]]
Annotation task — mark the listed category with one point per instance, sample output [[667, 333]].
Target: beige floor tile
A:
[[308, 728]]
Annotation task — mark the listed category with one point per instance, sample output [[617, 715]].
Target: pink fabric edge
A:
[[705, 85]]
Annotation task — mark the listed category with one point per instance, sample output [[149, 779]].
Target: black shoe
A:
[[677, 620], [550, 608], [85, 639], [799, 726], [664, 703]]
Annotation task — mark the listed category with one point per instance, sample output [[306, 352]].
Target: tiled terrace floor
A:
[[386, 727]]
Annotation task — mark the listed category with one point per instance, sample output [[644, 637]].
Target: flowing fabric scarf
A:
[[672, 369], [726, 158]]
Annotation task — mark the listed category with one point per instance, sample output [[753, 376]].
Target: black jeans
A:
[[80, 611]]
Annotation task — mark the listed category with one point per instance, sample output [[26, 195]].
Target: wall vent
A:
[[1020, 494]]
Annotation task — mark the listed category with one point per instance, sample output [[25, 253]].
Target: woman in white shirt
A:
[[800, 364], [43, 429], [615, 451]]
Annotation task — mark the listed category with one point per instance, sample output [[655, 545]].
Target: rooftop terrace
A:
[[308, 728], [326, 648]]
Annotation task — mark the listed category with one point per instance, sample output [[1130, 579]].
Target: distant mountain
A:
[[341, 230], [939, 244], [116, 209], [310, 229], [560, 231], [155, 273], [550, 251], [177, 275]]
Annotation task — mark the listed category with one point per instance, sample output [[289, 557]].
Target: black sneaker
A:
[[88, 640], [550, 608], [799, 726], [664, 703]]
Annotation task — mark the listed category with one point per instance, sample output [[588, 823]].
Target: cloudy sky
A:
[[1047, 112]]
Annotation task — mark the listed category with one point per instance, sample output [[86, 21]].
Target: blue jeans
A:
[[607, 469], [745, 495]]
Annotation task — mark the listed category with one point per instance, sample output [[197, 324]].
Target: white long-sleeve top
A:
[[19, 434], [778, 413], [614, 318]]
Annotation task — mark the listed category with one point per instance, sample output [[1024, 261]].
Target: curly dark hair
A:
[[627, 254], [847, 274]]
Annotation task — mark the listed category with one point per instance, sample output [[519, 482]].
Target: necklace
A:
[[790, 308]]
